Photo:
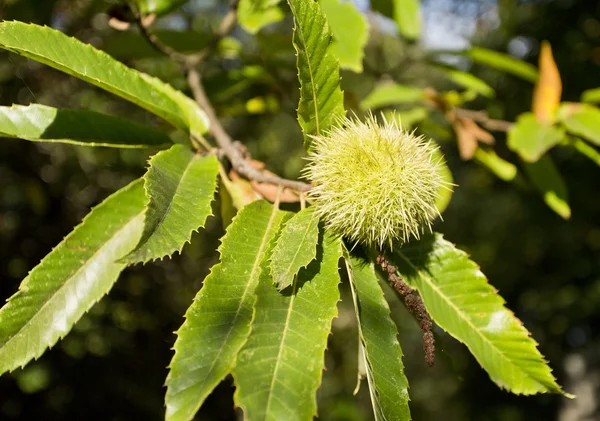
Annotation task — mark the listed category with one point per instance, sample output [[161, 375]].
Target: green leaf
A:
[[460, 300], [81, 60], [591, 95], [69, 280], [180, 186], [532, 139], [407, 119], [253, 15], [39, 123], [378, 333], [407, 15], [218, 321], [296, 247], [350, 32], [504, 62], [468, 81], [582, 120], [503, 169], [158, 7], [387, 94], [321, 98], [279, 369], [587, 150], [547, 179]]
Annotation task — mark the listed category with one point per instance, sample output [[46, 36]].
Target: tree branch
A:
[[234, 155], [484, 120]]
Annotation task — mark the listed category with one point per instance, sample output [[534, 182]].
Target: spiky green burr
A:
[[374, 184]]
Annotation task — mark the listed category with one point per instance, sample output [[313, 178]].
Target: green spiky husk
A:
[[374, 184]]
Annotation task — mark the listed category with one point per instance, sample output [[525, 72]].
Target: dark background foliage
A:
[[113, 364]]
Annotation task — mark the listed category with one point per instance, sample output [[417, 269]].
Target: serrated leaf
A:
[[547, 179], [378, 333], [531, 139], [387, 94], [69, 280], [39, 123], [296, 247], [503, 169], [460, 300], [468, 81], [503, 62], [253, 15], [582, 120], [81, 60], [218, 321], [407, 15], [279, 369], [180, 186], [321, 98], [591, 95], [350, 32]]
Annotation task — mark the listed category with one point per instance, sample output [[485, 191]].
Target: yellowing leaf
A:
[[547, 92]]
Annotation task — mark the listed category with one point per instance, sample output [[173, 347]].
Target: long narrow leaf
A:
[[72, 56], [39, 123], [460, 300], [296, 247], [218, 321], [69, 280], [381, 349], [549, 182], [279, 369], [321, 98], [180, 186]]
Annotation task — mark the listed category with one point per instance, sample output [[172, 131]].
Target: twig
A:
[[483, 119], [235, 156], [415, 306]]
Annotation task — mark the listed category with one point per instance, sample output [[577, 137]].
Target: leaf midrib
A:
[[310, 71], [257, 264], [468, 321], [70, 279]]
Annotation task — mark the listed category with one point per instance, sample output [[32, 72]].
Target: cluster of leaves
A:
[[265, 311]]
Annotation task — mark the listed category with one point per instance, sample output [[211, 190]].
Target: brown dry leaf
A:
[[480, 134], [547, 92], [118, 25], [467, 135], [239, 189], [269, 192]]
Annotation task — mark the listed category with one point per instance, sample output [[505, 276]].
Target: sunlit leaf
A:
[[378, 334], [217, 323], [407, 119], [296, 247], [460, 300], [591, 95], [407, 15], [387, 94], [253, 15], [321, 98], [350, 32], [547, 92], [468, 81], [502, 168], [39, 123], [69, 280], [180, 186], [582, 120], [81, 60], [279, 369], [547, 179], [587, 150], [503, 62], [531, 139], [445, 193]]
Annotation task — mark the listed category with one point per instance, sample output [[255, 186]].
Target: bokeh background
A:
[[113, 364]]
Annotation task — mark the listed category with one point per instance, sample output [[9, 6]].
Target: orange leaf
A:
[[546, 95]]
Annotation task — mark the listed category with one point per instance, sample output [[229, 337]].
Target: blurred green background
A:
[[113, 364]]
